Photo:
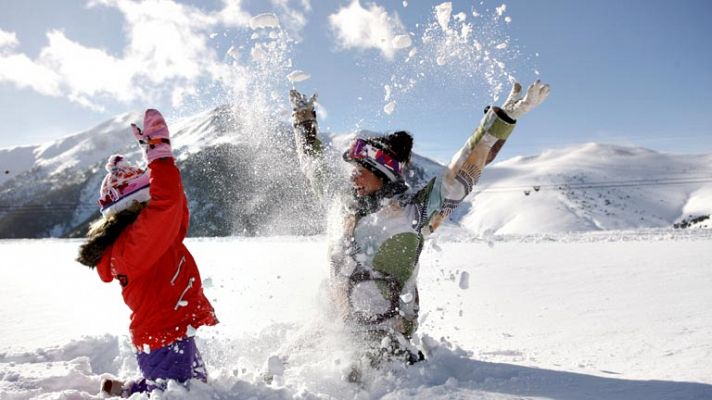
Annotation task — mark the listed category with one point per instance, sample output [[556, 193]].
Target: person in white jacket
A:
[[374, 262]]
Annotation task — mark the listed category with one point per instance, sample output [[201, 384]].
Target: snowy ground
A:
[[589, 316]]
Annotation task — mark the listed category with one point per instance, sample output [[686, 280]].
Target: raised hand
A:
[[515, 106], [302, 107], [155, 137], [300, 101]]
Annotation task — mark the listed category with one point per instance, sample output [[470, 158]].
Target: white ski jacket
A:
[[374, 261]]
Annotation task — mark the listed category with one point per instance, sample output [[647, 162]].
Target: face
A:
[[364, 181]]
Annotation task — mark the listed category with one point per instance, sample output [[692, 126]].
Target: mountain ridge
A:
[[243, 182]]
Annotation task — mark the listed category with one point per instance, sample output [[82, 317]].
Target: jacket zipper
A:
[[180, 265], [180, 302]]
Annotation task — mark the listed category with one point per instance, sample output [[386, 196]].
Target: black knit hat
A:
[[386, 156], [399, 143]]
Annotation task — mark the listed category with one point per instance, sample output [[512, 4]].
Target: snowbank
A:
[[622, 316]]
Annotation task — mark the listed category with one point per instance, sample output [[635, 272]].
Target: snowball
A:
[[508, 19], [440, 60], [501, 46], [387, 88], [298, 76], [464, 280], [266, 20], [390, 107], [442, 12], [402, 41], [501, 9], [405, 3]]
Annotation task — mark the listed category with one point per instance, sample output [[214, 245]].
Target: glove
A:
[[515, 106], [154, 138], [303, 107]]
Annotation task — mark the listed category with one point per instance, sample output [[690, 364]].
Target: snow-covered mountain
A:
[[241, 179], [239, 175], [592, 187]]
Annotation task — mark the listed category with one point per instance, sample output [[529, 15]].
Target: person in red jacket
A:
[[139, 242]]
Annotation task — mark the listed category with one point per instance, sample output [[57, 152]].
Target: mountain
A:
[[242, 178], [592, 187], [239, 176]]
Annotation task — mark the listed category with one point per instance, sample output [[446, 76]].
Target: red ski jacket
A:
[[159, 278]]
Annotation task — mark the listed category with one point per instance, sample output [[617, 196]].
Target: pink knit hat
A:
[[122, 186]]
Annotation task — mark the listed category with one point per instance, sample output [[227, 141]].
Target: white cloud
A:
[[8, 40], [86, 72], [166, 40], [166, 54], [365, 28], [292, 18], [25, 73]]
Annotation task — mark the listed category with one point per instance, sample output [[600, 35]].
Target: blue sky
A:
[[625, 72]]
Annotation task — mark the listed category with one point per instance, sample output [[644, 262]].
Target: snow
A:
[[442, 13], [614, 315], [589, 187], [265, 20], [298, 76], [390, 107], [258, 54], [402, 41], [77, 151]]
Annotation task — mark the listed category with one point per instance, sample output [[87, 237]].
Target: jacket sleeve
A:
[[444, 193], [159, 224]]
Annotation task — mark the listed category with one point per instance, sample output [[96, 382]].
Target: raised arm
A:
[[305, 125], [443, 194], [158, 225], [310, 149]]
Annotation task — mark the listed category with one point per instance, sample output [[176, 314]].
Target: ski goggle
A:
[[363, 151]]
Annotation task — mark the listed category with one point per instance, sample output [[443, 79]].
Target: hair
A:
[[104, 232], [400, 143]]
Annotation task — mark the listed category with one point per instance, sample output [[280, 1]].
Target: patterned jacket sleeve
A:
[[444, 193]]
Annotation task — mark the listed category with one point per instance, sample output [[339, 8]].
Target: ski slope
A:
[[608, 315]]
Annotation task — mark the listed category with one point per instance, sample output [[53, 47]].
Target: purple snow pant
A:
[[179, 361]]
